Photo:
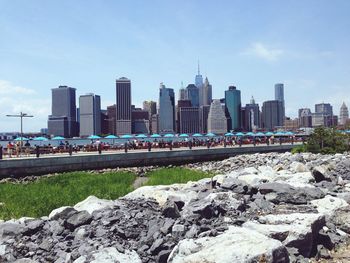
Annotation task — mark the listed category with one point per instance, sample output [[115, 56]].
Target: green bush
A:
[[299, 149]]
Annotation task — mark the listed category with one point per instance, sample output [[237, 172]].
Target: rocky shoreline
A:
[[257, 208]]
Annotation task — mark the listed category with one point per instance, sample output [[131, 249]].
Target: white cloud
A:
[[15, 99], [7, 88], [264, 52]]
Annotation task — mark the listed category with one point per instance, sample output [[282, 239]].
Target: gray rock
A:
[[78, 219], [171, 210], [9, 229]]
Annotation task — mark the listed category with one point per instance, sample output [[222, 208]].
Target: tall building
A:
[[233, 106], [166, 109], [251, 116], [155, 123], [193, 94], [104, 122], [63, 118], [182, 92], [324, 108], [207, 92], [150, 106], [188, 118], [305, 118], [272, 114], [344, 114], [203, 118], [217, 122], [123, 106], [199, 84], [279, 95], [323, 115], [89, 114], [111, 117]]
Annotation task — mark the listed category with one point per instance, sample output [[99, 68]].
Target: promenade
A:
[[52, 163]]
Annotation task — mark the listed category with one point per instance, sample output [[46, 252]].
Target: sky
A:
[[250, 44]]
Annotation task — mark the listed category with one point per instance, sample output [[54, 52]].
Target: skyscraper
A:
[[324, 108], [344, 114], [217, 122], [251, 116], [63, 118], [193, 94], [203, 118], [90, 114], [151, 107], [272, 114], [233, 106], [279, 95], [123, 106], [182, 92], [305, 118], [199, 84], [111, 115], [166, 109], [207, 92], [188, 119]]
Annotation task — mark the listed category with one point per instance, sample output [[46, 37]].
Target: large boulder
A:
[[112, 255], [298, 167], [329, 204], [280, 192], [237, 244], [92, 203], [342, 168], [298, 230]]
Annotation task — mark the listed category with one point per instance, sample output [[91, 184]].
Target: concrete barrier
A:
[[44, 165]]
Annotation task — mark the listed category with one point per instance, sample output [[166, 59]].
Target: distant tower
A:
[[207, 92], [90, 115], [217, 122], [233, 106], [344, 114], [279, 95], [193, 95], [166, 109], [183, 92], [123, 108], [199, 84]]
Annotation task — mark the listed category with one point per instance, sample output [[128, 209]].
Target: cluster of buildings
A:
[[195, 111]]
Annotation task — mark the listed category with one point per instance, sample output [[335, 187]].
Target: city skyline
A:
[[52, 44]]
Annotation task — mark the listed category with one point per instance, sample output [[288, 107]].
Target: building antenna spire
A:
[[198, 68]]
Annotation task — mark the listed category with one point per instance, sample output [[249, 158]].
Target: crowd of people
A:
[[14, 149]]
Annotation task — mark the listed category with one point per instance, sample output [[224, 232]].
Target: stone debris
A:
[[256, 208]]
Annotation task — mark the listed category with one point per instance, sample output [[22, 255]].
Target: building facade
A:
[[166, 109], [111, 117], [63, 118], [272, 114], [344, 114], [199, 84], [193, 94], [188, 119], [207, 93], [279, 95], [217, 122], [203, 118], [90, 115], [233, 106], [251, 116], [123, 106]]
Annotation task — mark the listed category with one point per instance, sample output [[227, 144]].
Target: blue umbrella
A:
[[229, 134], [141, 136], [93, 137], [155, 135], [183, 135], [279, 134], [126, 136], [269, 134], [289, 133], [111, 137], [210, 134], [239, 134], [169, 135], [58, 138], [21, 139], [40, 139], [259, 134], [197, 135], [250, 134], [347, 131]]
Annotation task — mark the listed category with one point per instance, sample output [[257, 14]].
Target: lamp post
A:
[[21, 115]]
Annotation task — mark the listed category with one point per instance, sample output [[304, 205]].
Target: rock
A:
[[320, 173], [62, 213], [163, 256], [235, 245], [341, 218], [302, 230], [156, 246], [8, 230], [171, 210], [92, 203], [33, 226], [329, 204], [342, 168], [46, 245], [298, 167], [78, 219], [112, 255], [235, 185]]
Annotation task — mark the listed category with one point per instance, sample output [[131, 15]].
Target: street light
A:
[[21, 115]]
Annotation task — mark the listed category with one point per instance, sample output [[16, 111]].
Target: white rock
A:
[[2, 250], [256, 179], [161, 193], [57, 211], [112, 255], [329, 204], [298, 167], [92, 203], [80, 259], [237, 244]]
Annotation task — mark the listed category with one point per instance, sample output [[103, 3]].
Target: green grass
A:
[[166, 176], [42, 196]]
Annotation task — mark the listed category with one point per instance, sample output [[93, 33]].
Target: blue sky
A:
[[251, 44]]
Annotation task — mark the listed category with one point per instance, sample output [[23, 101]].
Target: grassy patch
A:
[[166, 176], [41, 197]]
